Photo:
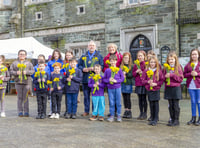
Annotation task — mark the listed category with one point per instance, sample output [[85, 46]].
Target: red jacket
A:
[[119, 60], [138, 80], [175, 80], [145, 80], [187, 74]]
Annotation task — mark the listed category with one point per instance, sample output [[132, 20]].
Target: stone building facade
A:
[[131, 24]]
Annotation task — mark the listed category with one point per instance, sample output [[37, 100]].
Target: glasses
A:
[[22, 54]]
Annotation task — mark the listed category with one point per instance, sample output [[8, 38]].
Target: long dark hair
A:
[[56, 50]]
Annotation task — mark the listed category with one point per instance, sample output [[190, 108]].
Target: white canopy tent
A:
[[10, 47]]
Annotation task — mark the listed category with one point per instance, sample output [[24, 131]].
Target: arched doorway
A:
[[140, 42]]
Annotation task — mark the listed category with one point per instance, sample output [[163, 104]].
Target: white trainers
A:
[[3, 114], [52, 116], [57, 116], [50, 113]]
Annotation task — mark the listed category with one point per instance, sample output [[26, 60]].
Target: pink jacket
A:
[[187, 74], [138, 80], [145, 80], [119, 60], [175, 80]]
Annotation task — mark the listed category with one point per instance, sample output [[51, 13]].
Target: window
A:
[[137, 1], [79, 51], [7, 2], [38, 16], [80, 9]]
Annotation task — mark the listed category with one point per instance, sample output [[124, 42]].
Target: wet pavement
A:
[[29, 132]]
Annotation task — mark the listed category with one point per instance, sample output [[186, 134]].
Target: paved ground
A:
[[18, 132]]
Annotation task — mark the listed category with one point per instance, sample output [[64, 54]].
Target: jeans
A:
[[98, 105], [86, 92], [115, 98], [42, 103], [195, 100], [72, 103]]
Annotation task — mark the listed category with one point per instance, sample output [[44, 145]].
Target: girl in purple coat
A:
[[192, 73], [153, 84], [173, 80], [140, 89]]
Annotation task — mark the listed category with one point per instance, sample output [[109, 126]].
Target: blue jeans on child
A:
[[86, 92], [98, 105], [195, 99], [72, 103], [115, 98]]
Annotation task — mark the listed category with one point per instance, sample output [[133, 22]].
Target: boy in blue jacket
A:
[[57, 79], [41, 88], [73, 79]]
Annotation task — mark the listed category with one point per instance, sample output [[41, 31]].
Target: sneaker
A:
[[3, 114], [20, 114], [111, 119], [26, 114], [50, 113], [101, 118], [52, 116], [57, 116], [119, 119], [85, 114], [67, 116], [43, 116], [38, 116], [93, 118], [74, 116]]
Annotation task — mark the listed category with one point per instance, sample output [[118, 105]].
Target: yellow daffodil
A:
[[193, 65], [150, 74], [85, 59], [168, 68], [146, 63], [71, 72], [57, 81], [96, 78], [49, 83], [43, 73]]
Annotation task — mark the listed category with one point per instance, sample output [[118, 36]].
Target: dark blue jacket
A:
[[47, 70], [60, 83], [81, 64], [75, 82], [50, 64], [37, 86]]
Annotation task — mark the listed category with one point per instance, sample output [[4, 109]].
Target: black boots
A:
[[192, 121], [127, 114], [174, 115], [198, 122]]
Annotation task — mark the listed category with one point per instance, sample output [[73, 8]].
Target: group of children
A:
[[147, 72]]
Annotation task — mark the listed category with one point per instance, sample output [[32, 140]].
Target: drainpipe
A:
[[179, 28]]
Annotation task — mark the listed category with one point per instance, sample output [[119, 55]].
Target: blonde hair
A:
[[157, 66], [129, 62], [112, 44], [144, 53], [177, 65]]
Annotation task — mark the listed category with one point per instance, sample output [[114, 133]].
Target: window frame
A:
[[36, 16], [78, 10]]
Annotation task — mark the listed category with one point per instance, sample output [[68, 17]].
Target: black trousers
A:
[[127, 100], [42, 103], [174, 109], [56, 102], [154, 110], [142, 103]]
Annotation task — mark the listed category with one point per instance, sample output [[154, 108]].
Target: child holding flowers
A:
[[72, 82], [21, 83], [140, 90], [126, 86], [56, 91], [173, 76], [152, 78], [98, 100], [113, 77], [41, 87], [4, 78], [192, 73]]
